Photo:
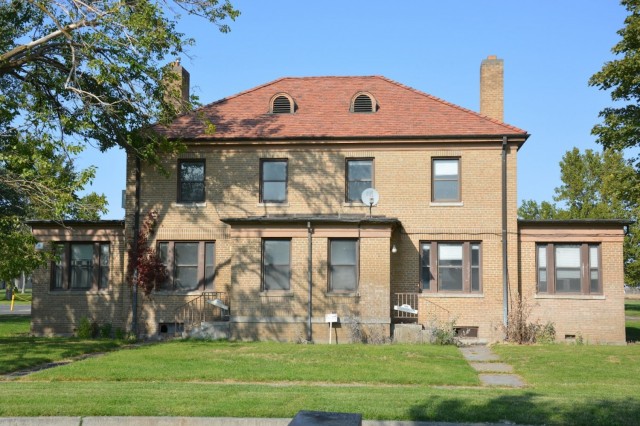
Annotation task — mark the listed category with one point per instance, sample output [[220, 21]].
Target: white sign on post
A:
[[331, 318]]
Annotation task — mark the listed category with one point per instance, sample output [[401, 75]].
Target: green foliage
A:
[[105, 330], [596, 186], [75, 73], [442, 332], [620, 128], [85, 328]]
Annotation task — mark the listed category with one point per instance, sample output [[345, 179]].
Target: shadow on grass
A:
[[632, 306], [633, 331], [20, 353], [530, 408]]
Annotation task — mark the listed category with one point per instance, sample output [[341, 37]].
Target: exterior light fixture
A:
[[394, 250]]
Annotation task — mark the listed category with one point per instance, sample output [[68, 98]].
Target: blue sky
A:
[[550, 49]]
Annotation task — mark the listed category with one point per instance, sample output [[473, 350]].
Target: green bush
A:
[[105, 331]]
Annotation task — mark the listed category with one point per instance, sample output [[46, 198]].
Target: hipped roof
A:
[[322, 111]]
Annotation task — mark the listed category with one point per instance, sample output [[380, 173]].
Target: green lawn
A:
[[20, 351], [567, 384], [632, 307], [21, 299]]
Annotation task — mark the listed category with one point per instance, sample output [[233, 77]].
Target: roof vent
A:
[[282, 104], [363, 102]]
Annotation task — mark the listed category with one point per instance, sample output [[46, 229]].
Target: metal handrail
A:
[[410, 299], [198, 310]]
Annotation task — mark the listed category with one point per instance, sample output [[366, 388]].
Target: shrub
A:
[[87, 329], [119, 333], [521, 331], [442, 332], [105, 330]]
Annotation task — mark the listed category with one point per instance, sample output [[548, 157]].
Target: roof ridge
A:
[[467, 110]]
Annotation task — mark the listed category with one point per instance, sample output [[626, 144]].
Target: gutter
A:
[[505, 270]]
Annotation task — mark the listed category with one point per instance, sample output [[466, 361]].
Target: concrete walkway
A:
[[491, 371]]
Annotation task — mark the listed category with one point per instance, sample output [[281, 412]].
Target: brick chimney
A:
[[492, 87], [178, 87]]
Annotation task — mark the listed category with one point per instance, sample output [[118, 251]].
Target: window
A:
[[282, 104], [191, 181], [276, 264], [568, 268], [190, 265], [80, 266], [359, 176], [450, 267], [343, 265], [273, 181], [445, 180]]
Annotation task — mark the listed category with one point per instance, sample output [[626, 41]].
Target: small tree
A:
[[145, 266]]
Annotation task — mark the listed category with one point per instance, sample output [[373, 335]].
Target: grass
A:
[[567, 384], [19, 351], [632, 309], [20, 299]]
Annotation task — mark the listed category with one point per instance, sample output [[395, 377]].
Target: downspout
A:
[[505, 270], [136, 231], [310, 278]]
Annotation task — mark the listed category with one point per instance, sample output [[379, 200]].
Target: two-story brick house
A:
[[266, 215]]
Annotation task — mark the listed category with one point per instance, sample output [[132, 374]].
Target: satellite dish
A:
[[370, 197]]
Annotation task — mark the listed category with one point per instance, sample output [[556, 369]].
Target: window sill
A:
[[446, 204], [443, 294], [356, 204], [276, 293], [344, 294], [271, 204], [189, 205], [80, 291], [571, 296]]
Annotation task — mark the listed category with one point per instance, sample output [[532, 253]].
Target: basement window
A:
[[363, 103], [282, 104]]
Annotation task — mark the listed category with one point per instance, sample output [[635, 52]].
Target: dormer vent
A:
[[282, 104], [363, 102]]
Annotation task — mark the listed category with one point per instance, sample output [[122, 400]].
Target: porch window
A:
[[358, 176], [273, 181], [80, 266], [450, 267], [343, 265], [190, 265], [191, 177], [276, 264], [568, 268]]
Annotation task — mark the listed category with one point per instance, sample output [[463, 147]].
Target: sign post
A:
[[331, 318]]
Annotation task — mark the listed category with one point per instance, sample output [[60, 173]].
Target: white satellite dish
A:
[[370, 197]]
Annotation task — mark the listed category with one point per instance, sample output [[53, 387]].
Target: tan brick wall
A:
[[597, 318], [492, 88], [59, 312], [402, 176]]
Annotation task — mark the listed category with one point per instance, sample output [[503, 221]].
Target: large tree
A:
[[596, 186], [620, 127], [74, 73]]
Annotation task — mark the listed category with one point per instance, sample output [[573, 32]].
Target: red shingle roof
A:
[[322, 111]]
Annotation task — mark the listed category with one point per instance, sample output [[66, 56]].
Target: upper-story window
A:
[[191, 175], [363, 102], [282, 104], [358, 176], [569, 268], [81, 266], [450, 267], [273, 180], [445, 180]]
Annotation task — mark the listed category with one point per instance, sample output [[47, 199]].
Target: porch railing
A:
[[405, 300], [199, 310]]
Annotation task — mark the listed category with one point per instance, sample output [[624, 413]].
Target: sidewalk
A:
[[491, 371]]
